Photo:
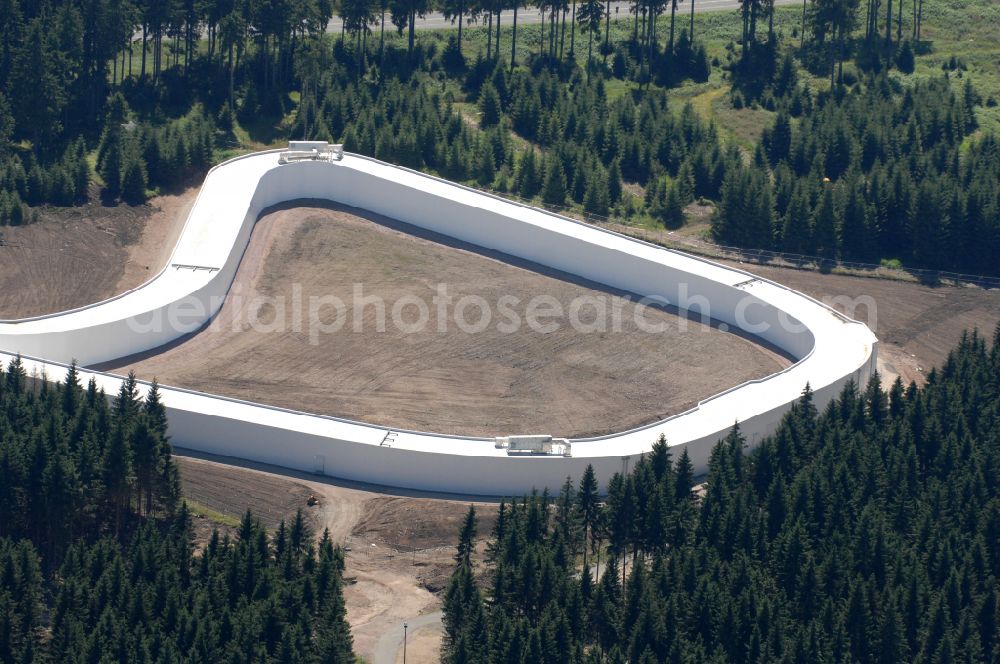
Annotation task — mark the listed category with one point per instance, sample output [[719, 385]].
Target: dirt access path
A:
[[423, 636], [80, 255], [399, 545], [440, 378]]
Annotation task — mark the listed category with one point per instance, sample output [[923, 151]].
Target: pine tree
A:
[[528, 179], [134, 181], [554, 189], [587, 501], [589, 14], [489, 106], [467, 539], [825, 225]]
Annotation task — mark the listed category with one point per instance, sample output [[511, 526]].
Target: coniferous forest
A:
[[865, 532], [135, 97], [97, 560], [868, 531]]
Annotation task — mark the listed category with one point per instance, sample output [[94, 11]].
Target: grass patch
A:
[[198, 509], [741, 125], [966, 30], [969, 31]]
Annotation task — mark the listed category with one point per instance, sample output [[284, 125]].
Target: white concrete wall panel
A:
[[830, 350]]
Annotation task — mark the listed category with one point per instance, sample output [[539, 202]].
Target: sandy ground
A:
[[916, 325], [399, 545], [423, 647], [77, 256], [487, 383], [423, 642]]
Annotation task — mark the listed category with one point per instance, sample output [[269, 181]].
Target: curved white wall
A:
[[830, 349]]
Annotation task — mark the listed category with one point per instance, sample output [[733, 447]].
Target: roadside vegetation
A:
[[850, 131]]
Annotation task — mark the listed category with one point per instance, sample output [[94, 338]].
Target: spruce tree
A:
[[780, 139], [587, 501], [467, 538], [554, 189], [528, 178], [134, 181], [824, 235], [111, 168], [684, 476], [489, 106], [595, 200], [672, 214]]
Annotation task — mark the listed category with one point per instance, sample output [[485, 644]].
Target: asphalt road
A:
[[531, 16]]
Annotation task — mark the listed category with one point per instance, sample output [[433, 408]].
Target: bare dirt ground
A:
[[399, 546], [917, 325], [80, 255], [487, 383], [423, 647]]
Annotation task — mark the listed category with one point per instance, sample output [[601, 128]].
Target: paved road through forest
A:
[[530, 15]]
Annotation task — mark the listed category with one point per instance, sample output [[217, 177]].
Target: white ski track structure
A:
[[829, 349]]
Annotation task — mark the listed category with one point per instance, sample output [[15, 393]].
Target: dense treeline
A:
[[583, 146], [132, 157], [877, 172], [71, 463], [868, 532], [908, 180], [70, 71], [97, 561]]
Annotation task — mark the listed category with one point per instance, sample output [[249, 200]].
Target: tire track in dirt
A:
[[566, 383]]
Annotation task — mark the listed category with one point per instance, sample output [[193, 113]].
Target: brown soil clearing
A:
[[488, 383], [916, 325], [80, 255], [399, 548], [423, 647]]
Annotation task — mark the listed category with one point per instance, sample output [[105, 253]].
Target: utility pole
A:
[[404, 642]]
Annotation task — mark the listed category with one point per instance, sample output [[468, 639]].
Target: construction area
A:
[[486, 383], [917, 325], [76, 256], [399, 545]]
